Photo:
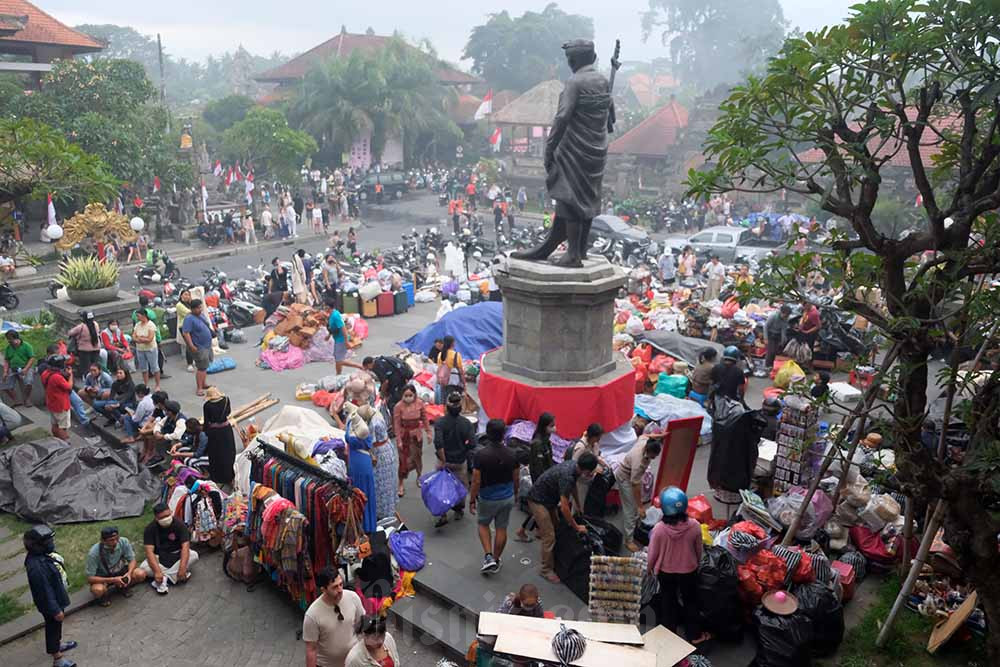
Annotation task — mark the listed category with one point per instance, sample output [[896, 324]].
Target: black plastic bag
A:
[[782, 641], [821, 605], [596, 502], [610, 537], [572, 558], [641, 533], [718, 595]]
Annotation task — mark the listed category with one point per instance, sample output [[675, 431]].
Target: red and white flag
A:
[[52, 211], [204, 198], [156, 184], [137, 202], [485, 107], [229, 177], [218, 168], [239, 172], [495, 139], [249, 183], [919, 202]]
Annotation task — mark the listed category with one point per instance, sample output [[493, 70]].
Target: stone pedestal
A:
[[68, 314], [558, 322]]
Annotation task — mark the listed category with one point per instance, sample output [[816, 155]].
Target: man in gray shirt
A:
[[776, 333]]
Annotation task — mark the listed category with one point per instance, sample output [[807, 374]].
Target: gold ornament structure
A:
[[97, 224]]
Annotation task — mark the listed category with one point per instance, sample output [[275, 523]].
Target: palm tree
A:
[[392, 92]]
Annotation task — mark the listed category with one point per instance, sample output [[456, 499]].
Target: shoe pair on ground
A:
[[491, 565], [64, 661]]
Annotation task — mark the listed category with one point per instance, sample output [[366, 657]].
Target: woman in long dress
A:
[[386, 465], [221, 441], [362, 472]]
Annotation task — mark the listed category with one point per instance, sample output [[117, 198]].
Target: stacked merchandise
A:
[[616, 588], [278, 536], [299, 324], [796, 435]]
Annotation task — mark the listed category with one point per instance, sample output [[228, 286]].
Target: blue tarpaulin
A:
[[477, 329]]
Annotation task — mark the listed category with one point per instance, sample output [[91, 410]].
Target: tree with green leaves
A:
[[392, 92], [264, 140], [517, 53], [36, 159], [921, 80], [224, 113], [715, 42]]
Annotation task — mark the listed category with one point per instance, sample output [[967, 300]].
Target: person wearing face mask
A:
[[376, 647], [167, 543], [331, 281], [410, 424], [48, 584], [116, 346], [540, 460]]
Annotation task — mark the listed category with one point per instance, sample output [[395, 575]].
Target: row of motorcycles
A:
[[670, 216]]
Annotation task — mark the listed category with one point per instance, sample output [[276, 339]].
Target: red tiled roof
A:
[[42, 28], [648, 90], [895, 149], [463, 110], [343, 45], [654, 136]]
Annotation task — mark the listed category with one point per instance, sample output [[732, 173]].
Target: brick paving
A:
[[212, 621]]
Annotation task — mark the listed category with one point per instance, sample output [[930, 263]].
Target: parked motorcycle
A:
[[148, 274], [8, 299]]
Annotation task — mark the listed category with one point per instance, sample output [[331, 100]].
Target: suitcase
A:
[[847, 578], [385, 304], [411, 294], [401, 302], [369, 309], [351, 304]]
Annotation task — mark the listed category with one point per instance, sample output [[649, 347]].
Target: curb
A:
[[29, 623], [45, 273]]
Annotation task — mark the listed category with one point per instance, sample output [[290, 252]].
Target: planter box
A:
[[92, 297]]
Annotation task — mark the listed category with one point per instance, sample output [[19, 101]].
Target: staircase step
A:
[[453, 588], [434, 624]]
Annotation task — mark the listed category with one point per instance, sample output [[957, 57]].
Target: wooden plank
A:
[[668, 648], [943, 631], [536, 645], [493, 624]]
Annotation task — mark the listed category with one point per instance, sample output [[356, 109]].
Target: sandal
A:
[[199, 393], [551, 578]]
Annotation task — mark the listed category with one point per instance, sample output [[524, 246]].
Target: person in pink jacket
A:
[[674, 556]]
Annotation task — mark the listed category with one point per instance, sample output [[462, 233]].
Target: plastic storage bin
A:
[[401, 302], [369, 309], [352, 304], [386, 304], [411, 294]]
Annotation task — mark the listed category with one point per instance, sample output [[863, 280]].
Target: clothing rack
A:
[[307, 469]]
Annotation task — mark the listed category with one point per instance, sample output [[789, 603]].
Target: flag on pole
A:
[[218, 168], [485, 107], [919, 202], [156, 184], [495, 139], [249, 182], [52, 211], [204, 199], [229, 177], [239, 172], [119, 206]]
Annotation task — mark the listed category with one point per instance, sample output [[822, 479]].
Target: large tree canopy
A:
[[223, 114], [107, 108], [716, 42], [918, 81], [391, 92], [516, 53], [36, 160], [264, 140]]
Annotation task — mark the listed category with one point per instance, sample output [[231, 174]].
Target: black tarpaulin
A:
[[677, 346], [49, 480]]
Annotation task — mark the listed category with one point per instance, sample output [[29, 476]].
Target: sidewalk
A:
[[182, 253]]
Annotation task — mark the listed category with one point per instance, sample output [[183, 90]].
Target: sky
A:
[[195, 29]]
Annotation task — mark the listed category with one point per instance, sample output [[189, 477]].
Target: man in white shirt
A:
[[137, 418], [328, 626], [716, 273], [667, 266], [267, 222]]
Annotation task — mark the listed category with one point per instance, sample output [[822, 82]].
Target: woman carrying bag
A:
[[451, 369]]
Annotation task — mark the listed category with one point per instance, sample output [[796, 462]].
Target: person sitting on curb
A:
[[111, 566], [138, 417], [169, 557], [96, 385]]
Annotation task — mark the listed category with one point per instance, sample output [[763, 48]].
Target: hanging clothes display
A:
[[289, 519]]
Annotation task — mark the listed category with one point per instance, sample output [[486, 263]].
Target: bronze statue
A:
[[575, 154]]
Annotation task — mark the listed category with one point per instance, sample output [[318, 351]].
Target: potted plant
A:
[[89, 280]]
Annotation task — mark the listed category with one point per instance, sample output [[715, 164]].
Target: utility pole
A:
[[163, 81]]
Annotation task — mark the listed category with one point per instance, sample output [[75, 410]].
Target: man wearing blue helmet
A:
[[727, 377], [675, 548]]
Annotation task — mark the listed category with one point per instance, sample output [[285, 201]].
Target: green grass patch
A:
[[27, 434], [73, 540], [10, 608], [39, 337], [907, 644]]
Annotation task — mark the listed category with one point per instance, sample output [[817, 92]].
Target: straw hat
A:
[[781, 603], [213, 394]]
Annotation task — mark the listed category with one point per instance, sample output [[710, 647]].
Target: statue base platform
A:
[[557, 322], [120, 308]]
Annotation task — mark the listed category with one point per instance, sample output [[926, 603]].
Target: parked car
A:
[[732, 243], [394, 185], [614, 228]]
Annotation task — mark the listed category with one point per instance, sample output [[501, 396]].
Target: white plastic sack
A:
[[443, 310], [370, 290], [634, 326], [664, 407], [424, 296]]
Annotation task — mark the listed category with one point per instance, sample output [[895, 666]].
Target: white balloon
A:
[[54, 232], [948, 222], [137, 224]]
